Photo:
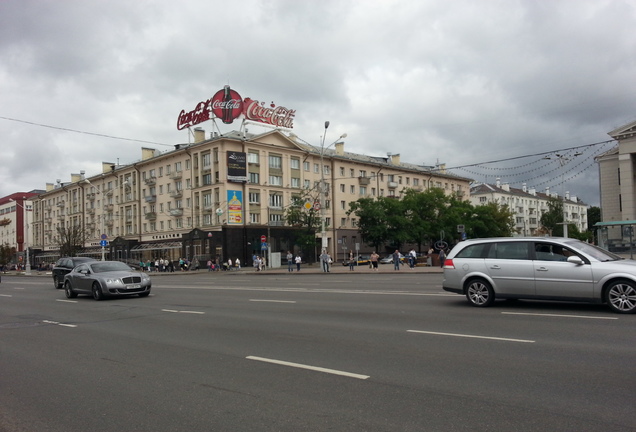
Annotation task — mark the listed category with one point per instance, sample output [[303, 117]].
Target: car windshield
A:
[[594, 251], [109, 266]]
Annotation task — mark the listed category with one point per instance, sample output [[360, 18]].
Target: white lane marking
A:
[[471, 336], [66, 301], [181, 311], [313, 368], [560, 316], [273, 301], [60, 324], [310, 290], [18, 288], [6, 295]]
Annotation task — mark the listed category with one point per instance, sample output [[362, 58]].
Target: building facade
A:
[[528, 206], [189, 202], [617, 181]]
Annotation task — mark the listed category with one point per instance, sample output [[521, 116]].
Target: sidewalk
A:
[[336, 268]]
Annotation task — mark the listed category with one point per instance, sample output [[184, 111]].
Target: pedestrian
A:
[[209, 265], [298, 261], [325, 259], [290, 262], [442, 258], [237, 263], [229, 264], [374, 261], [412, 258], [396, 260], [351, 261]]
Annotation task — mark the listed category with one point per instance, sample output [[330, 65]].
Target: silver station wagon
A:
[[541, 268]]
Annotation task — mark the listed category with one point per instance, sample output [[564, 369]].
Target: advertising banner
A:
[[235, 207], [237, 166]]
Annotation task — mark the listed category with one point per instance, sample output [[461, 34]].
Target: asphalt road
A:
[[308, 352]]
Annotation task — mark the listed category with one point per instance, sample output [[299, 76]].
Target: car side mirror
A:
[[575, 259]]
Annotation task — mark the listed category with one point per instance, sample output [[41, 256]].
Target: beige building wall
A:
[[166, 195]]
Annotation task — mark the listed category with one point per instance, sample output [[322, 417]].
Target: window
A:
[[275, 180], [306, 166], [276, 201], [254, 198], [306, 184], [255, 218], [326, 170], [352, 189], [363, 173], [295, 182], [252, 158], [363, 190], [352, 172], [294, 163], [206, 161], [343, 205], [275, 162], [177, 166], [343, 222], [342, 171], [254, 178], [510, 250], [207, 179], [316, 168], [342, 188]]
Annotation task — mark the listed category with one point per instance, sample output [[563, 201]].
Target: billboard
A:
[[236, 166]]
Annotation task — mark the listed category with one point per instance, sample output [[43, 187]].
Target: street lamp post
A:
[[323, 188], [101, 219], [27, 270]]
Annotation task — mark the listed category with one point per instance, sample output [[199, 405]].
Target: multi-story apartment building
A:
[[221, 196], [617, 179], [528, 205], [15, 218]]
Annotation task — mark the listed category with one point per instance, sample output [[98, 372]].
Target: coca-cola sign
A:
[[227, 105], [276, 116]]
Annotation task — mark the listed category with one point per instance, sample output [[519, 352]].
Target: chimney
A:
[[547, 191], [50, 187], [395, 159], [106, 167], [340, 148], [76, 177], [147, 153], [506, 187], [567, 195], [498, 184], [199, 135], [524, 187], [533, 191]]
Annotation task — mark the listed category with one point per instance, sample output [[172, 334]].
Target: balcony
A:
[[61, 204], [176, 212], [206, 169], [150, 181], [90, 196], [109, 222], [151, 216], [177, 193], [109, 208], [175, 175], [150, 198], [208, 208], [108, 192], [364, 180], [392, 185]]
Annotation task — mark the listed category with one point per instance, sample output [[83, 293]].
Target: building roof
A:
[[483, 189]]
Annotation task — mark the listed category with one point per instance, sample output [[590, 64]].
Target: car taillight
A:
[[448, 263]]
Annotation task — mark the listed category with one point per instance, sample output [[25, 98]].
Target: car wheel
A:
[[97, 292], [68, 290], [621, 296], [57, 282], [480, 293]]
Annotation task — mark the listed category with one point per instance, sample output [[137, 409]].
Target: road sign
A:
[[103, 243], [104, 236], [263, 246], [263, 239]]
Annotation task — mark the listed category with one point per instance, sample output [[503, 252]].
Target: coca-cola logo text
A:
[[198, 115], [276, 116]]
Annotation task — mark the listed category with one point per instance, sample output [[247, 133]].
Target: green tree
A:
[[372, 220], [6, 254], [552, 220], [490, 220], [422, 211], [307, 219]]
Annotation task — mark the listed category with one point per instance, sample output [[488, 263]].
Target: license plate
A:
[[133, 286]]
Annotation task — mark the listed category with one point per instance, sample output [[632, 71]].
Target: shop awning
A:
[[615, 223]]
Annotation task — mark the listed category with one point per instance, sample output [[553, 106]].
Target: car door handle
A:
[[542, 269], [495, 267]]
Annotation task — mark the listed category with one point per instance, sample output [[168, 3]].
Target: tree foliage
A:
[[424, 217], [307, 219], [6, 254]]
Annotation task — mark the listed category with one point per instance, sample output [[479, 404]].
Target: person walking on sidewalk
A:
[[298, 261], [290, 262], [325, 259], [396, 260], [442, 258], [374, 261], [352, 261]]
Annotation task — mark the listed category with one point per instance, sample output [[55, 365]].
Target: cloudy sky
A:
[[487, 87]]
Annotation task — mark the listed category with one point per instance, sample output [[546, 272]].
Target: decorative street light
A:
[[323, 189], [27, 270]]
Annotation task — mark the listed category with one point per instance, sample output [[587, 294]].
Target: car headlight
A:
[[144, 276], [114, 281]]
